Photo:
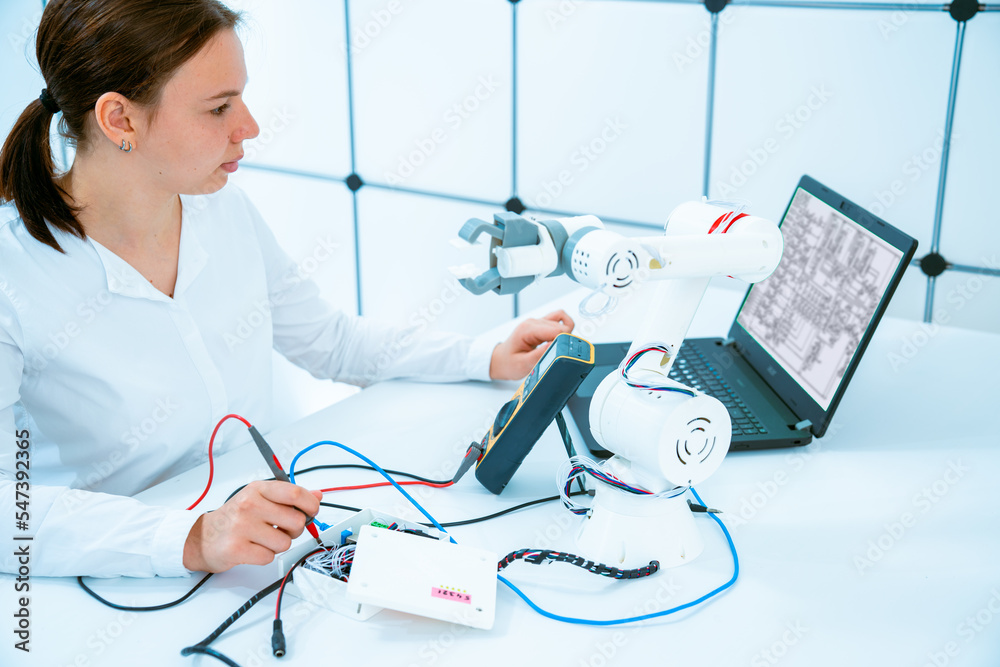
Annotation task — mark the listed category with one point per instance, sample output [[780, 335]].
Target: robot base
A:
[[626, 530]]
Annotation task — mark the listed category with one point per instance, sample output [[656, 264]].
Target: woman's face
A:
[[191, 143]]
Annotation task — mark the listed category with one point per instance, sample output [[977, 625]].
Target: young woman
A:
[[122, 286]]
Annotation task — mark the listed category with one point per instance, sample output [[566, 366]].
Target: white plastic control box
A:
[[326, 591], [424, 574]]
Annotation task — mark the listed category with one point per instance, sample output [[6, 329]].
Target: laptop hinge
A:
[[803, 425]]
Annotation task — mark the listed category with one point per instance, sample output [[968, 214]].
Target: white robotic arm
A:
[[665, 436], [701, 240]]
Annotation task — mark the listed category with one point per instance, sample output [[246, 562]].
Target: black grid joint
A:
[[933, 264], [963, 10], [354, 182], [715, 6], [514, 205]]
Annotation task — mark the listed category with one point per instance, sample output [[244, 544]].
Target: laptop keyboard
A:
[[693, 369]]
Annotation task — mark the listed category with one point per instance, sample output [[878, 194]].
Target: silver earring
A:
[[127, 150]]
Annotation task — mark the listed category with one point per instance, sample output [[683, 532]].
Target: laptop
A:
[[798, 336]]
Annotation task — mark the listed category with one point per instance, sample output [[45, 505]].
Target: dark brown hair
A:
[[86, 48]]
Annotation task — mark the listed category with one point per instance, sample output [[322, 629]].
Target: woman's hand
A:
[[515, 357], [252, 527]]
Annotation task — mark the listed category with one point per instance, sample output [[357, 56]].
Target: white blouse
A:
[[119, 386]]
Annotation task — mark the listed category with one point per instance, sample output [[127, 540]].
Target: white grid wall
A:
[[449, 109]]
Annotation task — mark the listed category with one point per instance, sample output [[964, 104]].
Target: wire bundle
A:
[[579, 466], [629, 362], [539, 556], [335, 563]]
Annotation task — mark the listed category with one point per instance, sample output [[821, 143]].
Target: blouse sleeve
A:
[[328, 343]]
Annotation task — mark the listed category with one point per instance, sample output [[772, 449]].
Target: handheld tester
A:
[[522, 419]]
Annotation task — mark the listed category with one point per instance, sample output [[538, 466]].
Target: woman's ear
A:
[[115, 117]]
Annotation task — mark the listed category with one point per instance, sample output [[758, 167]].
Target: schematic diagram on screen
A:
[[811, 313]]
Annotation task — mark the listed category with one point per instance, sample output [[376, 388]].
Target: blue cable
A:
[[520, 594], [291, 478], [633, 619]]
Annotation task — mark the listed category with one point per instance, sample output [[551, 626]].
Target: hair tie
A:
[[46, 99]]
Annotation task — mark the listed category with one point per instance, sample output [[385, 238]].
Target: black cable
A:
[[277, 634], [204, 650], [478, 519], [339, 507], [202, 646], [539, 556], [361, 466], [347, 508], [288, 575], [568, 443], [158, 607], [508, 510], [191, 592], [356, 466]]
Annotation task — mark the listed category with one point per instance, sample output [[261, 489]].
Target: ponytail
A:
[[27, 178]]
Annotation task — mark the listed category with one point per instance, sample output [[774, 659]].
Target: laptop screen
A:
[[811, 313], [814, 315]]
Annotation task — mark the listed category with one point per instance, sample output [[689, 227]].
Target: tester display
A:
[[522, 419]]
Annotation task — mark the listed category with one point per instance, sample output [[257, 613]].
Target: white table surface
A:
[[830, 575]]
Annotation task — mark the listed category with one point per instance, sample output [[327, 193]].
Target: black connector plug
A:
[[695, 507], [278, 640]]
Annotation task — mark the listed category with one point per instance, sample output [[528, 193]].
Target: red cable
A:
[[741, 215], [372, 486], [211, 461], [280, 591], [718, 221], [722, 218], [284, 580]]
